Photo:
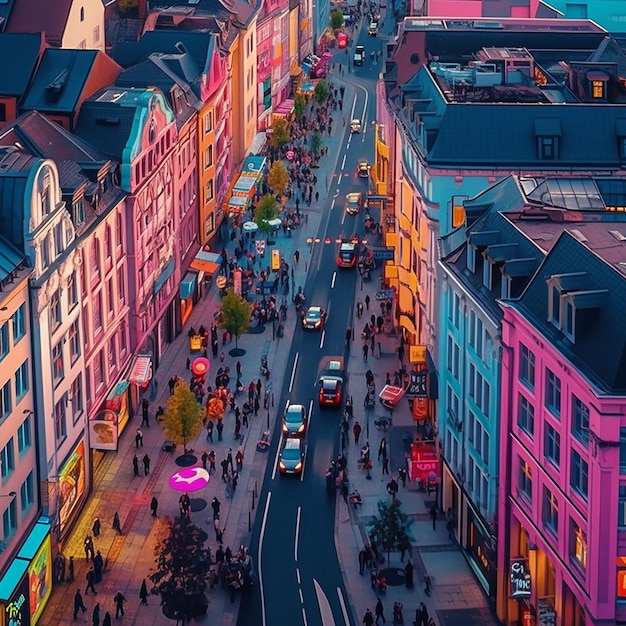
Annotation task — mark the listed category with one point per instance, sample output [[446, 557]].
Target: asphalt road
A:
[[299, 580]]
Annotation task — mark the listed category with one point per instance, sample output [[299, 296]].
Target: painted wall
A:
[[482, 8], [610, 14], [85, 26]]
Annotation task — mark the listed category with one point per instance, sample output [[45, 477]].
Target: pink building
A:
[[562, 483], [480, 8]]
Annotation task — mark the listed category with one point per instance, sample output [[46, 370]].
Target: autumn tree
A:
[[235, 313], [266, 211], [299, 105], [182, 564], [215, 409], [390, 528], [280, 134], [182, 420], [278, 178]]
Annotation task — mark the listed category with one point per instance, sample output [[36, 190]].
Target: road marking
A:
[[343, 162], [295, 546], [322, 339], [298, 575], [310, 410], [276, 462], [303, 465], [304, 616], [344, 610], [332, 282], [259, 568], [301, 596], [324, 605], [293, 371]]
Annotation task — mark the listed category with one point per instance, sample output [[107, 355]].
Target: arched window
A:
[[82, 14]]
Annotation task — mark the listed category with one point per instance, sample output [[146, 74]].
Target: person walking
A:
[[117, 527], [424, 614], [119, 600], [239, 460], [368, 618], [224, 465], [380, 611], [401, 355], [367, 302], [359, 309], [450, 523], [95, 529], [365, 351], [361, 561], [107, 619], [220, 428], [356, 429], [143, 593], [144, 413], [209, 431], [205, 458], [138, 438], [215, 505], [79, 605], [98, 566], [70, 570], [229, 458], [89, 551], [136, 465], [212, 462], [95, 616], [146, 464], [154, 505], [91, 579], [433, 515]]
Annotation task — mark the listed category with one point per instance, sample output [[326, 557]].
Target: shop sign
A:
[[71, 484], [40, 580], [385, 294], [417, 385], [521, 586], [417, 354], [16, 610], [103, 430], [384, 254]]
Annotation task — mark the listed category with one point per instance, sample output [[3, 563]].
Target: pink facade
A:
[[478, 8], [559, 485]]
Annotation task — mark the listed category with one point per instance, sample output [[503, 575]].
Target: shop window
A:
[[579, 475], [553, 393], [526, 415], [577, 545], [527, 366], [552, 444]]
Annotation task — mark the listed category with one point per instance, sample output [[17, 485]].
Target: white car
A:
[[355, 126]]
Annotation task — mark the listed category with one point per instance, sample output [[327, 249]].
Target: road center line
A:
[[259, 567], [293, 371], [295, 546], [322, 339], [332, 282], [343, 162]]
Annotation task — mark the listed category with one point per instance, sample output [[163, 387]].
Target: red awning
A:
[[391, 395], [141, 370]]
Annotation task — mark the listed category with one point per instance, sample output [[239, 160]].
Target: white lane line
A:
[[295, 545], [303, 465], [343, 162], [301, 596], [344, 610], [332, 282], [322, 339], [304, 616], [259, 568], [293, 371], [298, 575], [310, 412]]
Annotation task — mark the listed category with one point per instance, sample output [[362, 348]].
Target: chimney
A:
[[142, 8]]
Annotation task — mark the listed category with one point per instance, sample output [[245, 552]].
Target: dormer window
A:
[[547, 134], [597, 84]]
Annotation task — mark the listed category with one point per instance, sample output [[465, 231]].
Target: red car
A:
[[330, 383]]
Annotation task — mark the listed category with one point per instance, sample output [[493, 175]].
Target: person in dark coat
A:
[[143, 593], [380, 611], [135, 465], [91, 579], [98, 566], [119, 600], [408, 574], [146, 464], [215, 505], [95, 529], [70, 570], [117, 527], [95, 616], [107, 619], [154, 505], [79, 605]]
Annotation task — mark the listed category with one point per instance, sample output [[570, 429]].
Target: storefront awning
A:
[[167, 271], [188, 285], [283, 109], [238, 201], [140, 370], [407, 323], [34, 540], [245, 185], [207, 262], [12, 577], [253, 166]]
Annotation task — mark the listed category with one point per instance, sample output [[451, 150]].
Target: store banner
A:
[[71, 484], [16, 611], [40, 580], [103, 430], [521, 586]]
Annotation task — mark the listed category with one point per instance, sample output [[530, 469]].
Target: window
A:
[[621, 508], [526, 416], [452, 403], [45, 251], [4, 340], [76, 398], [108, 244], [123, 339], [456, 308], [55, 310], [98, 369], [58, 371], [21, 381], [209, 190], [553, 393], [78, 212], [622, 450], [485, 452], [119, 233], [453, 357], [579, 479], [580, 420], [208, 156], [24, 438], [208, 122], [7, 459], [547, 148], [96, 35], [552, 444], [526, 479], [9, 520], [19, 323], [58, 239], [527, 366], [550, 510], [5, 399], [577, 544], [72, 292], [94, 260], [82, 14], [112, 354], [74, 341], [597, 89], [110, 297], [96, 314], [27, 493], [60, 423]]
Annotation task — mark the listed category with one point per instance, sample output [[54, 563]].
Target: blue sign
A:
[[383, 254]]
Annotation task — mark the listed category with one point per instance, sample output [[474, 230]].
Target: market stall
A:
[[425, 465]]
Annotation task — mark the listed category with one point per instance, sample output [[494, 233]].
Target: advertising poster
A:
[[40, 580], [103, 430], [71, 484], [16, 610]]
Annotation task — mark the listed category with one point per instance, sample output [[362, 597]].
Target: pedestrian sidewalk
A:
[[129, 556], [456, 598]]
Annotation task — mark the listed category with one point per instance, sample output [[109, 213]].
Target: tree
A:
[[299, 105], [390, 528], [182, 564], [336, 19], [265, 211], [280, 134], [278, 178], [215, 409], [235, 313], [316, 144], [321, 92], [182, 420]]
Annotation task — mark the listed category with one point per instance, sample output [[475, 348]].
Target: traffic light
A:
[[275, 260]]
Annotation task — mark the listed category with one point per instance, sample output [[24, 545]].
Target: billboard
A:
[[40, 580], [71, 484]]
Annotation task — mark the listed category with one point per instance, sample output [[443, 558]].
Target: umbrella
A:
[[190, 479], [250, 227], [200, 366], [275, 223], [290, 154]]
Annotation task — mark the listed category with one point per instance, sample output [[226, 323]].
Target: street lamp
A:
[[11, 495]]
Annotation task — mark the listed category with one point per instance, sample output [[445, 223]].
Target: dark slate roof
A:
[[239, 10], [59, 80], [34, 16], [5, 11], [11, 260], [15, 77], [600, 350]]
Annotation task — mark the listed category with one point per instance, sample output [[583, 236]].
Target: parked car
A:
[[363, 169], [291, 458], [355, 126], [354, 202], [314, 318], [295, 420]]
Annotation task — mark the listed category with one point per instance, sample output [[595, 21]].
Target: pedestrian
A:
[[98, 566], [361, 561], [257, 406], [401, 354], [89, 551], [365, 351], [143, 593], [382, 448], [296, 256], [402, 475], [385, 464], [367, 302], [146, 464], [107, 619], [95, 616], [79, 605], [408, 574], [220, 428], [95, 529], [212, 462], [433, 515], [380, 611], [154, 505], [215, 505], [70, 570], [239, 460], [119, 600], [450, 523], [359, 309], [139, 438], [237, 428], [424, 614], [91, 579], [171, 383], [209, 431], [59, 564], [136, 465], [368, 618], [224, 465], [144, 413], [392, 488], [205, 458], [229, 458], [116, 523], [356, 429], [317, 193]]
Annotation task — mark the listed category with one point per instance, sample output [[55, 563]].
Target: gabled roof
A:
[[599, 351], [34, 16], [241, 11], [63, 77], [15, 77]]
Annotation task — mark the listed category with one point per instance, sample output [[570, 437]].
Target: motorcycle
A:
[[378, 581]]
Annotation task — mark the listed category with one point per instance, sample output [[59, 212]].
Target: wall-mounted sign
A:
[[103, 430], [417, 354], [40, 580], [417, 385], [521, 586], [384, 254], [16, 610], [71, 484]]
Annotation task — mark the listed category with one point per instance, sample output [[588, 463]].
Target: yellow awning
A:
[[205, 261], [407, 324], [391, 271], [405, 299]]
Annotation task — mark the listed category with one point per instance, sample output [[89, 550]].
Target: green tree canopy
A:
[[266, 210], [316, 143], [336, 19], [390, 528], [182, 564], [235, 313], [299, 105], [182, 420], [278, 177], [280, 135], [321, 92]]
